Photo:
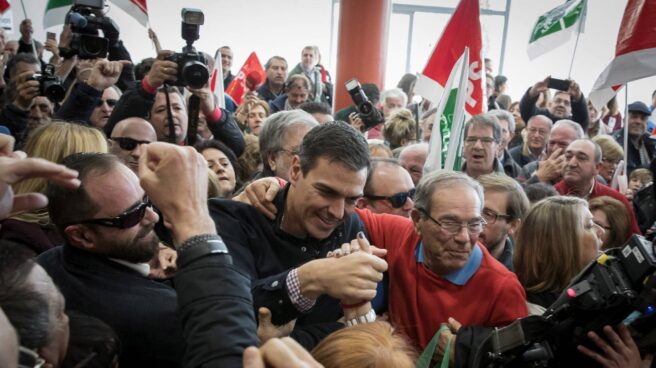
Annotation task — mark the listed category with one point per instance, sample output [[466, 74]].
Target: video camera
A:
[[192, 69], [620, 286], [366, 110], [50, 86], [86, 20]]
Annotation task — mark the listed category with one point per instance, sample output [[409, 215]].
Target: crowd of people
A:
[[288, 234]]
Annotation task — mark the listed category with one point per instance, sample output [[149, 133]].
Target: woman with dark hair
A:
[[612, 216], [221, 161]]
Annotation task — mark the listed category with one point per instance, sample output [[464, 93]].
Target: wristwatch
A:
[[367, 318], [200, 246]]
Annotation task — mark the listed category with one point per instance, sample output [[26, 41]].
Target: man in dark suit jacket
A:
[[641, 147]]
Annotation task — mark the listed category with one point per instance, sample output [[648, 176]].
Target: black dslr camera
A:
[[192, 69], [620, 286], [86, 20], [50, 86], [366, 110]]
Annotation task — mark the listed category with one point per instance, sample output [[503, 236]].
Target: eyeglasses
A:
[[609, 161], [607, 228], [484, 140], [538, 131], [110, 102], [454, 228], [128, 144], [126, 220], [396, 200], [291, 152], [491, 216]]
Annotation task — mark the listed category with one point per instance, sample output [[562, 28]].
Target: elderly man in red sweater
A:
[[583, 157]]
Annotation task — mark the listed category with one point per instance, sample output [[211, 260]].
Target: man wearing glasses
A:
[[127, 139], [102, 269], [482, 136], [389, 188], [104, 107]]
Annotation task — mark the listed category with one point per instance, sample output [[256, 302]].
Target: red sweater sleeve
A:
[[511, 302]]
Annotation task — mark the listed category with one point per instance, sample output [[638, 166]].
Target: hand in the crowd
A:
[[266, 330], [84, 68], [359, 244], [163, 265], [105, 74], [539, 87], [206, 96], [359, 273], [15, 167], [153, 37], [454, 326], [26, 90], [162, 70], [550, 169], [260, 194], [574, 91], [250, 98], [629, 194], [355, 121], [175, 180], [622, 352], [65, 37], [52, 46], [279, 353]]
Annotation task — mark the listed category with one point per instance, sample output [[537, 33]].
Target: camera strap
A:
[[193, 109], [172, 137]]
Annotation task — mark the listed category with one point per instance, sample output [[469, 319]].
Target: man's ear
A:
[[295, 172], [271, 160], [514, 227], [416, 218], [80, 236]]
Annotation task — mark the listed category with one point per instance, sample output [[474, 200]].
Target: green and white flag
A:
[[445, 146], [56, 12], [556, 27]]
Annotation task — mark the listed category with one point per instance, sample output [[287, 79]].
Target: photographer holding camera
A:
[[157, 99], [20, 94]]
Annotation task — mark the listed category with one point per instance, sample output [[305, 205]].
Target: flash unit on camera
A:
[[193, 16]]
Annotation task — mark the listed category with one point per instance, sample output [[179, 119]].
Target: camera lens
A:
[[54, 91], [93, 47], [195, 73]]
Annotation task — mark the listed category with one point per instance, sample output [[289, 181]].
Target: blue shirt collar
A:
[[461, 276]]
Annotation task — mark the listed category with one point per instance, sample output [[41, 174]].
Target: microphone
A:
[[253, 79], [77, 20]]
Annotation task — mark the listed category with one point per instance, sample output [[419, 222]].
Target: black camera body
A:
[[50, 86], [620, 286], [366, 110], [86, 22], [192, 65]]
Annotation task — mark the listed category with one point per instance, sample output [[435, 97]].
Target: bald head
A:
[[127, 139], [412, 158]]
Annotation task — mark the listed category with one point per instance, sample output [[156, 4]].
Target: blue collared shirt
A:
[[461, 276]]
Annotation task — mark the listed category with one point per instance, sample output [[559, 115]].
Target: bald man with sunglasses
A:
[[127, 138], [389, 188]]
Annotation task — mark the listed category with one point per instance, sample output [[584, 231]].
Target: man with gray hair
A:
[[280, 138], [507, 123], [550, 169], [413, 158], [482, 137], [582, 158]]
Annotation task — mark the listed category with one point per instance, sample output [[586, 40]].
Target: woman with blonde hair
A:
[[400, 129], [556, 241], [375, 345], [611, 154], [52, 142]]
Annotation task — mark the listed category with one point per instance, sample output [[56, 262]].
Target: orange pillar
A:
[[362, 45]]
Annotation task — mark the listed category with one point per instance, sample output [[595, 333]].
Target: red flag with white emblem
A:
[[136, 8]]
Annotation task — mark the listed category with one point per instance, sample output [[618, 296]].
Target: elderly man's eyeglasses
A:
[[484, 140], [128, 144], [453, 228], [126, 220], [397, 200], [110, 102]]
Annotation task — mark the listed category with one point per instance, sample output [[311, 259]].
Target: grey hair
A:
[[572, 124], [598, 154], [487, 120], [276, 126], [394, 93], [442, 179], [504, 115]]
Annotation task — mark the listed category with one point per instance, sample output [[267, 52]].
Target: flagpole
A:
[[33, 43], [576, 45], [626, 126]]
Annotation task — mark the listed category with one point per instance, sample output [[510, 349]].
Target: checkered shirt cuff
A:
[[301, 303]]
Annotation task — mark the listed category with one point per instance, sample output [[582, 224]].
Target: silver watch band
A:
[[367, 318]]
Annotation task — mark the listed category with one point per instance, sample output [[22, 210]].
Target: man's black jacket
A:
[[633, 155], [136, 102], [267, 254]]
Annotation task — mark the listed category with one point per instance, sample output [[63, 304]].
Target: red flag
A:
[[4, 5], [250, 77], [635, 51], [463, 30], [136, 8]]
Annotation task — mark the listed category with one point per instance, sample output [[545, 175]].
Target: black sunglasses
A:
[[126, 220], [397, 200], [128, 144], [110, 102]]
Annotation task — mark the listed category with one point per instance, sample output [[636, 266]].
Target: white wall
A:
[[283, 27]]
